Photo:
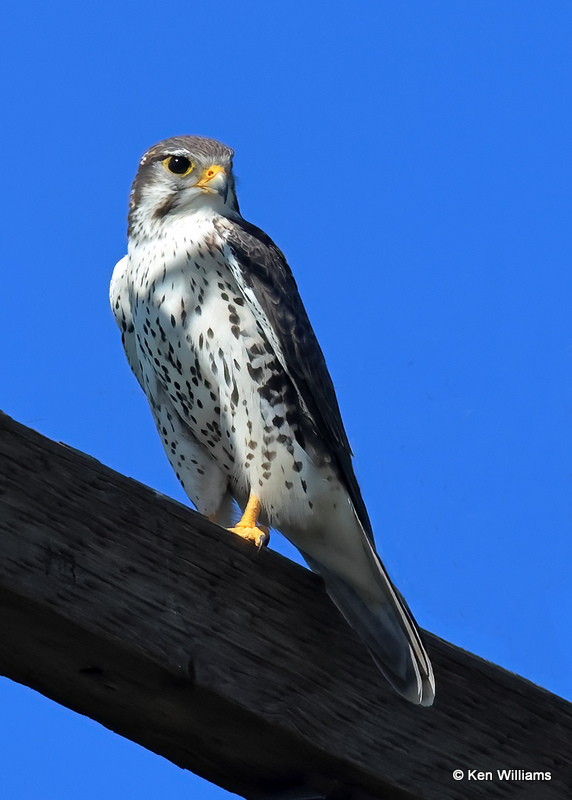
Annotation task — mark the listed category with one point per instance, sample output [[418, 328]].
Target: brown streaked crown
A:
[[203, 152]]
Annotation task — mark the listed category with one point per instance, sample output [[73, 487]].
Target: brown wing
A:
[[265, 271]]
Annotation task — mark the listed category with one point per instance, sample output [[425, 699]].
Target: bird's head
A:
[[181, 175]]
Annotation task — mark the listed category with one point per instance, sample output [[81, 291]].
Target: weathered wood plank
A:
[[130, 608]]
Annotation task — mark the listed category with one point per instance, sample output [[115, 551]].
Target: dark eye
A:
[[178, 165]]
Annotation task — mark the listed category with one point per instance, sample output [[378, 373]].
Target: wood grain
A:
[[136, 611]]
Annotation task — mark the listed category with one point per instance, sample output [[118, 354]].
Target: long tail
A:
[[386, 626]]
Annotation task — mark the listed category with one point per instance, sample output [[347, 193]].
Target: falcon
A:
[[218, 338]]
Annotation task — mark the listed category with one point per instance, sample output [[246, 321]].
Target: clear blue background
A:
[[413, 161]]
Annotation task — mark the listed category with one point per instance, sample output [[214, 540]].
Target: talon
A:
[[260, 536], [247, 527], [265, 538]]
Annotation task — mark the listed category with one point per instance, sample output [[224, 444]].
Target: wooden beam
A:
[[134, 610]]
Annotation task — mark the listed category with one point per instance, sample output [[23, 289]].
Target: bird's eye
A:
[[178, 165]]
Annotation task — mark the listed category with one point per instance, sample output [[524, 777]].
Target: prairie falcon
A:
[[217, 336]]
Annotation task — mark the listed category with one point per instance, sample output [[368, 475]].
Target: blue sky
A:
[[412, 159]]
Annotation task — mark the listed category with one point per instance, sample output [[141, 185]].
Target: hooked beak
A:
[[213, 179]]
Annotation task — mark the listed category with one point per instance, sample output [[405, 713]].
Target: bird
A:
[[217, 336]]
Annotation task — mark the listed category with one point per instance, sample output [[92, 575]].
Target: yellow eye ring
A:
[[178, 165]]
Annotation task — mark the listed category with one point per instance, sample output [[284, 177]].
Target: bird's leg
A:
[[247, 527]]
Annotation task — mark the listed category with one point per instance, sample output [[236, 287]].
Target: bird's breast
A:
[[203, 344]]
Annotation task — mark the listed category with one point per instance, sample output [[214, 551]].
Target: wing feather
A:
[[121, 307], [266, 275]]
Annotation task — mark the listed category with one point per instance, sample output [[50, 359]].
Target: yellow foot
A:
[[247, 527], [259, 535]]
